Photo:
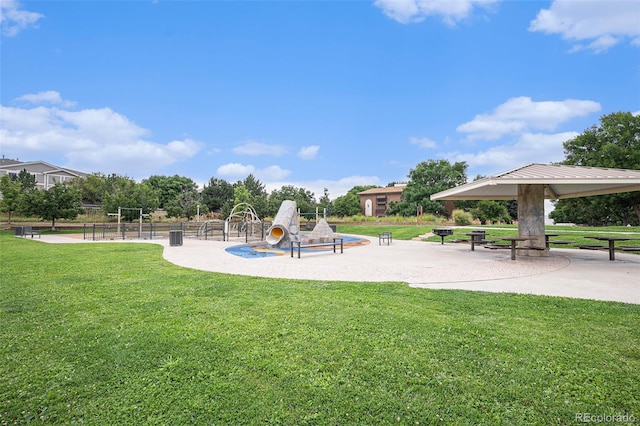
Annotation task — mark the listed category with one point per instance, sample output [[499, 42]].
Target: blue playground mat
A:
[[262, 249]]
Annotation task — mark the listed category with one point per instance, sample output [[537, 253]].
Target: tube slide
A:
[[278, 233]]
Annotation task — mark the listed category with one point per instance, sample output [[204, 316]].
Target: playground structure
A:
[[307, 218], [286, 226], [243, 221], [119, 215], [286, 223], [242, 224]]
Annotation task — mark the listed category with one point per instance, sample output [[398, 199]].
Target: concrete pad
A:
[[574, 273]]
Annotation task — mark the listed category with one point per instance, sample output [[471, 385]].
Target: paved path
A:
[[567, 272]]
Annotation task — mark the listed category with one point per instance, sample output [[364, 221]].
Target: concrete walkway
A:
[[573, 273]]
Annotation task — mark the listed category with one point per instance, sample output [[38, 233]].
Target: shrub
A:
[[460, 217]]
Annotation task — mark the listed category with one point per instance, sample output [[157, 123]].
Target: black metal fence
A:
[[220, 231]]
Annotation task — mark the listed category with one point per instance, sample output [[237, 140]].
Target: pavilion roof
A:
[[560, 181]]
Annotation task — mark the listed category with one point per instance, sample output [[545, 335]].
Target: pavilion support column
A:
[[531, 219]]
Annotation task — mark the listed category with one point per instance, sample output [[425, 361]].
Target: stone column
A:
[[531, 219]]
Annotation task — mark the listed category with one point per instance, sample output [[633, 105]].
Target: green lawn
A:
[[577, 235], [112, 334]]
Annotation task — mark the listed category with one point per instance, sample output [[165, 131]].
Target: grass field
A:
[[112, 334], [577, 235]]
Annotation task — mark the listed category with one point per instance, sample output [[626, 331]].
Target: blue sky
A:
[[316, 94]]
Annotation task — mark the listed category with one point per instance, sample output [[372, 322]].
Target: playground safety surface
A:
[[566, 272]]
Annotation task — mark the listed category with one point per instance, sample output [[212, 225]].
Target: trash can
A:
[[18, 231], [175, 238]]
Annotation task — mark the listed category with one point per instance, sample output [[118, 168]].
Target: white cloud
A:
[[601, 24], [13, 20], [234, 171], [259, 148], [529, 148], [410, 11], [99, 140], [272, 173], [423, 142], [49, 97], [522, 114], [237, 171], [309, 152], [336, 187]]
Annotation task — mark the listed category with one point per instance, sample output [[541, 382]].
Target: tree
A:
[[241, 194], [613, 144], [257, 195], [61, 201], [349, 204], [324, 203], [216, 194], [254, 186], [125, 192], [491, 211], [346, 205], [93, 187], [304, 199], [12, 196], [172, 190], [27, 180], [429, 177]]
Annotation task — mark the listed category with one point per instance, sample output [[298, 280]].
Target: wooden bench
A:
[[474, 242], [592, 247], [560, 242], [459, 240], [628, 248], [498, 246], [336, 241], [27, 230]]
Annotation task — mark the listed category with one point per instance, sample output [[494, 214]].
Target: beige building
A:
[[47, 175], [376, 201]]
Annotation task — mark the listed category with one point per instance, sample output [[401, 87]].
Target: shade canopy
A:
[[559, 182]]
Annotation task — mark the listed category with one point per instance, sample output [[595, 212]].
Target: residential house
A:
[[47, 175]]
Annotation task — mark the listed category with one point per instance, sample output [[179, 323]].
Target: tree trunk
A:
[[53, 224], [637, 210]]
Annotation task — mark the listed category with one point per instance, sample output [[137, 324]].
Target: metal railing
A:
[[151, 231]]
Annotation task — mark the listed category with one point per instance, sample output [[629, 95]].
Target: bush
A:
[[460, 217]]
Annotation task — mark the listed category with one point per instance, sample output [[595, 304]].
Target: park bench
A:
[[592, 247], [336, 241], [498, 246], [459, 240], [628, 248], [475, 241], [560, 242], [28, 230], [385, 237]]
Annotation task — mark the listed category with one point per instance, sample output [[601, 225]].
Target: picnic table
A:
[[612, 243], [513, 241], [548, 240], [477, 237]]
